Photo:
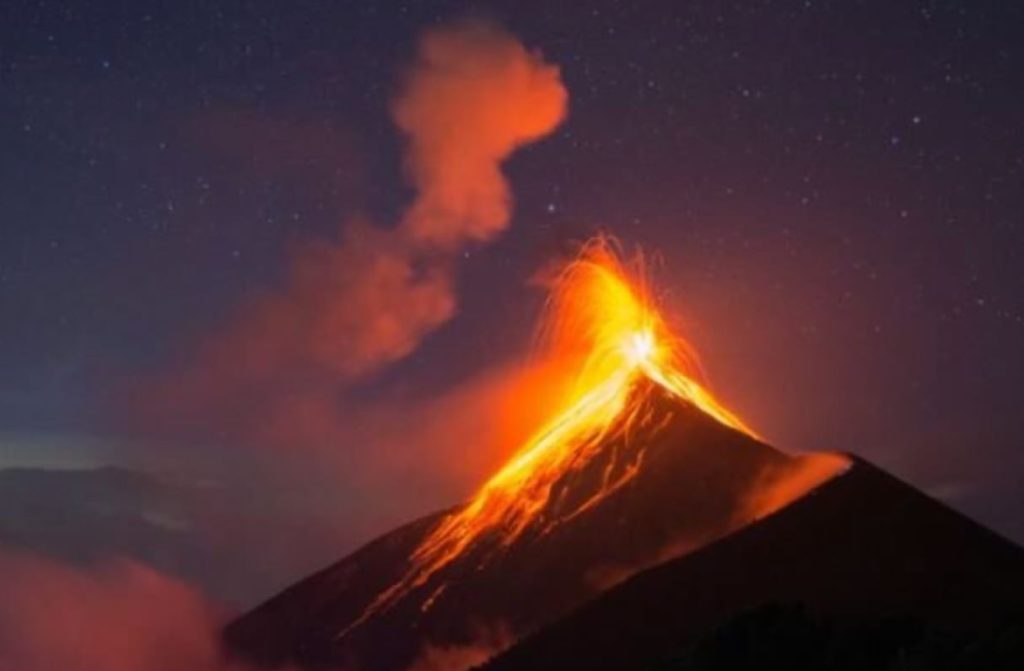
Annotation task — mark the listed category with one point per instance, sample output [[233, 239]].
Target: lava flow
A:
[[608, 324], [603, 321], [602, 324]]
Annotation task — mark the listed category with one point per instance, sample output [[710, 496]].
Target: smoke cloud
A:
[[776, 490], [353, 305], [474, 95], [122, 617]]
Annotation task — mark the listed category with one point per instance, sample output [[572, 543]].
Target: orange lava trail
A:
[[603, 323]]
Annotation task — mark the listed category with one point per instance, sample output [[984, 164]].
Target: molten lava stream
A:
[[605, 327]]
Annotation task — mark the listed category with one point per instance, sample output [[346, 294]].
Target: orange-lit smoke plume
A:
[[350, 306], [474, 95]]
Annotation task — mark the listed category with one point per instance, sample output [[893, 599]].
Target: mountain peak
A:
[[676, 480], [637, 463]]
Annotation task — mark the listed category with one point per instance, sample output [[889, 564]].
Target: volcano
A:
[[639, 472], [694, 485]]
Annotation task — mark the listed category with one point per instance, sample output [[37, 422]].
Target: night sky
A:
[[831, 191]]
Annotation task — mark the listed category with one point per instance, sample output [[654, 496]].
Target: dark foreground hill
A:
[[864, 563], [696, 480]]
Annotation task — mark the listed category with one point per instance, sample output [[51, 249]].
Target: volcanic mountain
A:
[[641, 499], [639, 465], [695, 482]]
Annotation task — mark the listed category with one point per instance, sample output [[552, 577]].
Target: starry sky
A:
[[832, 192]]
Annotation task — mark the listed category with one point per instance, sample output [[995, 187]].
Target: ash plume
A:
[[355, 304], [474, 95]]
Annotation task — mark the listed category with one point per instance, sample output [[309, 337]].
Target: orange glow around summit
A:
[[603, 320], [601, 325]]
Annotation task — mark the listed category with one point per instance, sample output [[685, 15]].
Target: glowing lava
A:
[[603, 326]]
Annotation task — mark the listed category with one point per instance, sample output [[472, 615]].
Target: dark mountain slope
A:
[[862, 547]]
